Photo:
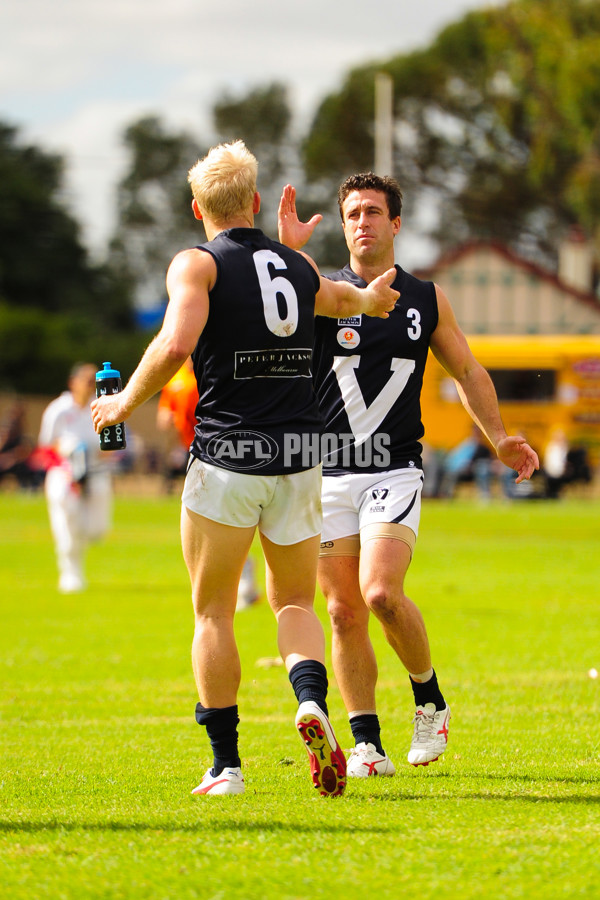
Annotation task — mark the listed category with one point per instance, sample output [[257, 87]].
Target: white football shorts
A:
[[352, 502], [286, 508]]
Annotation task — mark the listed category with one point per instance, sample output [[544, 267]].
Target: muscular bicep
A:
[[189, 280], [448, 343]]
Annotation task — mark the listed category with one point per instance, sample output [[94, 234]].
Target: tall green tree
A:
[[155, 219], [55, 305], [154, 201], [43, 262], [498, 119], [262, 117]]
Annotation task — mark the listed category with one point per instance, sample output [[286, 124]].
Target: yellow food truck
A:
[[544, 383]]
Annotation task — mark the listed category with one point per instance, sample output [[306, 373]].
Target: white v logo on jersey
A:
[[365, 420]]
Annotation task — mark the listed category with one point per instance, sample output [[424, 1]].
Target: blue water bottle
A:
[[108, 381]]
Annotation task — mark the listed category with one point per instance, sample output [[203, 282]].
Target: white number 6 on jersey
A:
[[270, 288]]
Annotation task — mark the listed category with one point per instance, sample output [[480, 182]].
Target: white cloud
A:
[[73, 73]]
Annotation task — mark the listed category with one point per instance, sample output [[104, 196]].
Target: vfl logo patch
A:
[[380, 493], [348, 338]]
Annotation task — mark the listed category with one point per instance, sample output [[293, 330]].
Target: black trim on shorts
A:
[[404, 514]]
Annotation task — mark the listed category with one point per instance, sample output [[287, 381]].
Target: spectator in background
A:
[[564, 464], [16, 447], [578, 465], [77, 485], [471, 460], [554, 463]]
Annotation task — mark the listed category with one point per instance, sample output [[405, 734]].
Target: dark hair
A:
[[78, 366], [369, 181]]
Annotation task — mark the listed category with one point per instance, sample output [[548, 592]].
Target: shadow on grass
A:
[[475, 795], [514, 778], [234, 824]]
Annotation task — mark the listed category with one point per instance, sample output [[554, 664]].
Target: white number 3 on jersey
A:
[[414, 331]]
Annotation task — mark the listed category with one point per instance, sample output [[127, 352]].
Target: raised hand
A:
[[292, 232]]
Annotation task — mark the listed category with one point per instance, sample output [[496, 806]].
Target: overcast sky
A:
[[74, 73]]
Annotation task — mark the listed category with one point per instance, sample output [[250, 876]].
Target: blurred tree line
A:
[[497, 122], [496, 128]]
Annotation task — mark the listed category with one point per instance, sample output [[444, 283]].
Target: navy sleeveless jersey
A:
[[368, 378], [257, 410]]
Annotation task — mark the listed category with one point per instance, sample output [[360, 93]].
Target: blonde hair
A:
[[224, 182]]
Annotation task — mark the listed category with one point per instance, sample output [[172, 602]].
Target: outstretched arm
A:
[[189, 279], [340, 299], [292, 232], [477, 393]]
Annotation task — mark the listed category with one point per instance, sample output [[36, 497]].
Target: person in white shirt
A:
[[77, 486]]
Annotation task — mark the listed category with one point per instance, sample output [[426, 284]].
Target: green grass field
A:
[[99, 748]]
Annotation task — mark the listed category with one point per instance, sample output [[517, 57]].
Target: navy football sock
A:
[[428, 692], [309, 680], [221, 726], [366, 729]]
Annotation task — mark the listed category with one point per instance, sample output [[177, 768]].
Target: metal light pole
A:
[[384, 119]]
